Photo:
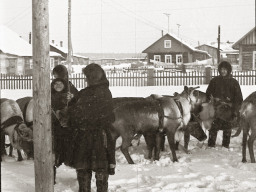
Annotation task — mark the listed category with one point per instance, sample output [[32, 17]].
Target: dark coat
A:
[[62, 136], [90, 117], [226, 88]]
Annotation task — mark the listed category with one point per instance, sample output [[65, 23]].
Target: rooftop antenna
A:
[[178, 29], [168, 15]]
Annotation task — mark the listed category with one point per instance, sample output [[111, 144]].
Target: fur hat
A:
[[94, 74], [226, 65], [61, 71]]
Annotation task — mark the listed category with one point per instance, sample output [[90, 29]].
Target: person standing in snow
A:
[[62, 91], [227, 89], [91, 116]]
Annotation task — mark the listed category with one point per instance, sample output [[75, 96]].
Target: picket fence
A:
[[137, 79]]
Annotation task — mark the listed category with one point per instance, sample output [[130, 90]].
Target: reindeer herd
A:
[[155, 117]]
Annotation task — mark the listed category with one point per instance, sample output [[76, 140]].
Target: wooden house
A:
[[172, 50], [16, 54], [247, 50], [227, 53], [77, 59], [212, 50]]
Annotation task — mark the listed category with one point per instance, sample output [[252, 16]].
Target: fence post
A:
[[150, 77], [208, 75]]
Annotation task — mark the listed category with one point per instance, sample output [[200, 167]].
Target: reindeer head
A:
[[25, 133], [195, 101]]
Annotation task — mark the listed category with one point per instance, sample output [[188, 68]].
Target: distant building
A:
[[247, 50], [212, 50], [171, 50], [226, 51], [77, 59], [16, 54]]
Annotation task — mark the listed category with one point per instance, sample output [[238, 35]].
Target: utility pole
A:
[[29, 37], [178, 30], [218, 50], [69, 56], [168, 14], [42, 131]]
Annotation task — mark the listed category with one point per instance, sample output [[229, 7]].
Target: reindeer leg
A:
[[186, 138], [250, 146], [159, 145], [124, 148], [3, 151], [171, 140], [10, 150], [245, 127], [150, 141], [19, 155]]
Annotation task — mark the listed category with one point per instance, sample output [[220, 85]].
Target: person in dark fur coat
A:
[[62, 91], [227, 89], [91, 117]]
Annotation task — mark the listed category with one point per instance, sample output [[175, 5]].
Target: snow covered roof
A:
[[12, 43], [54, 54], [224, 46], [236, 44], [212, 46], [65, 50]]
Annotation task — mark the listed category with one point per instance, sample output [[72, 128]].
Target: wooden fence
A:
[[137, 79]]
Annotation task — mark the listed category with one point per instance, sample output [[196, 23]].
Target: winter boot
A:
[[84, 180], [213, 134], [111, 169], [226, 138], [102, 181]]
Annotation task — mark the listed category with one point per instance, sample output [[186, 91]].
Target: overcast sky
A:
[[130, 26]]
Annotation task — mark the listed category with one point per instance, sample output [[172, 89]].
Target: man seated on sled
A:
[[227, 89]]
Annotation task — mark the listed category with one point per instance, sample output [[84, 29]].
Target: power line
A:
[[24, 12], [131, 13]]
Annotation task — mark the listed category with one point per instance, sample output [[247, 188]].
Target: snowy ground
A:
[[203, 170]]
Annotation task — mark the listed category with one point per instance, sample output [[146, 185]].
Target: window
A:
[[168, 59], [167, 44], [31, 63], [51, 63], [179, 59], [157, 57]]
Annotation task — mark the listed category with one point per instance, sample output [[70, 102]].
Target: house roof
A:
[[64, 50], [168, 35], [212, 46], [236, 44], [12, 43]]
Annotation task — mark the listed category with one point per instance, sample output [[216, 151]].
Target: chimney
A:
[[29, 38], [61, 43], [162, 33], [52, 41]]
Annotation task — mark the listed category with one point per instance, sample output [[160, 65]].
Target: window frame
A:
[[52, 62], [166, 58], [177, 56], [165, 44], [155, 56]]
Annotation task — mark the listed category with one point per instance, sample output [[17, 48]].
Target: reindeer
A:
[[12, 124]]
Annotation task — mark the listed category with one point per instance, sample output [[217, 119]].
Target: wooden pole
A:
[[42, 133], [218, 51], [69, 57]]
